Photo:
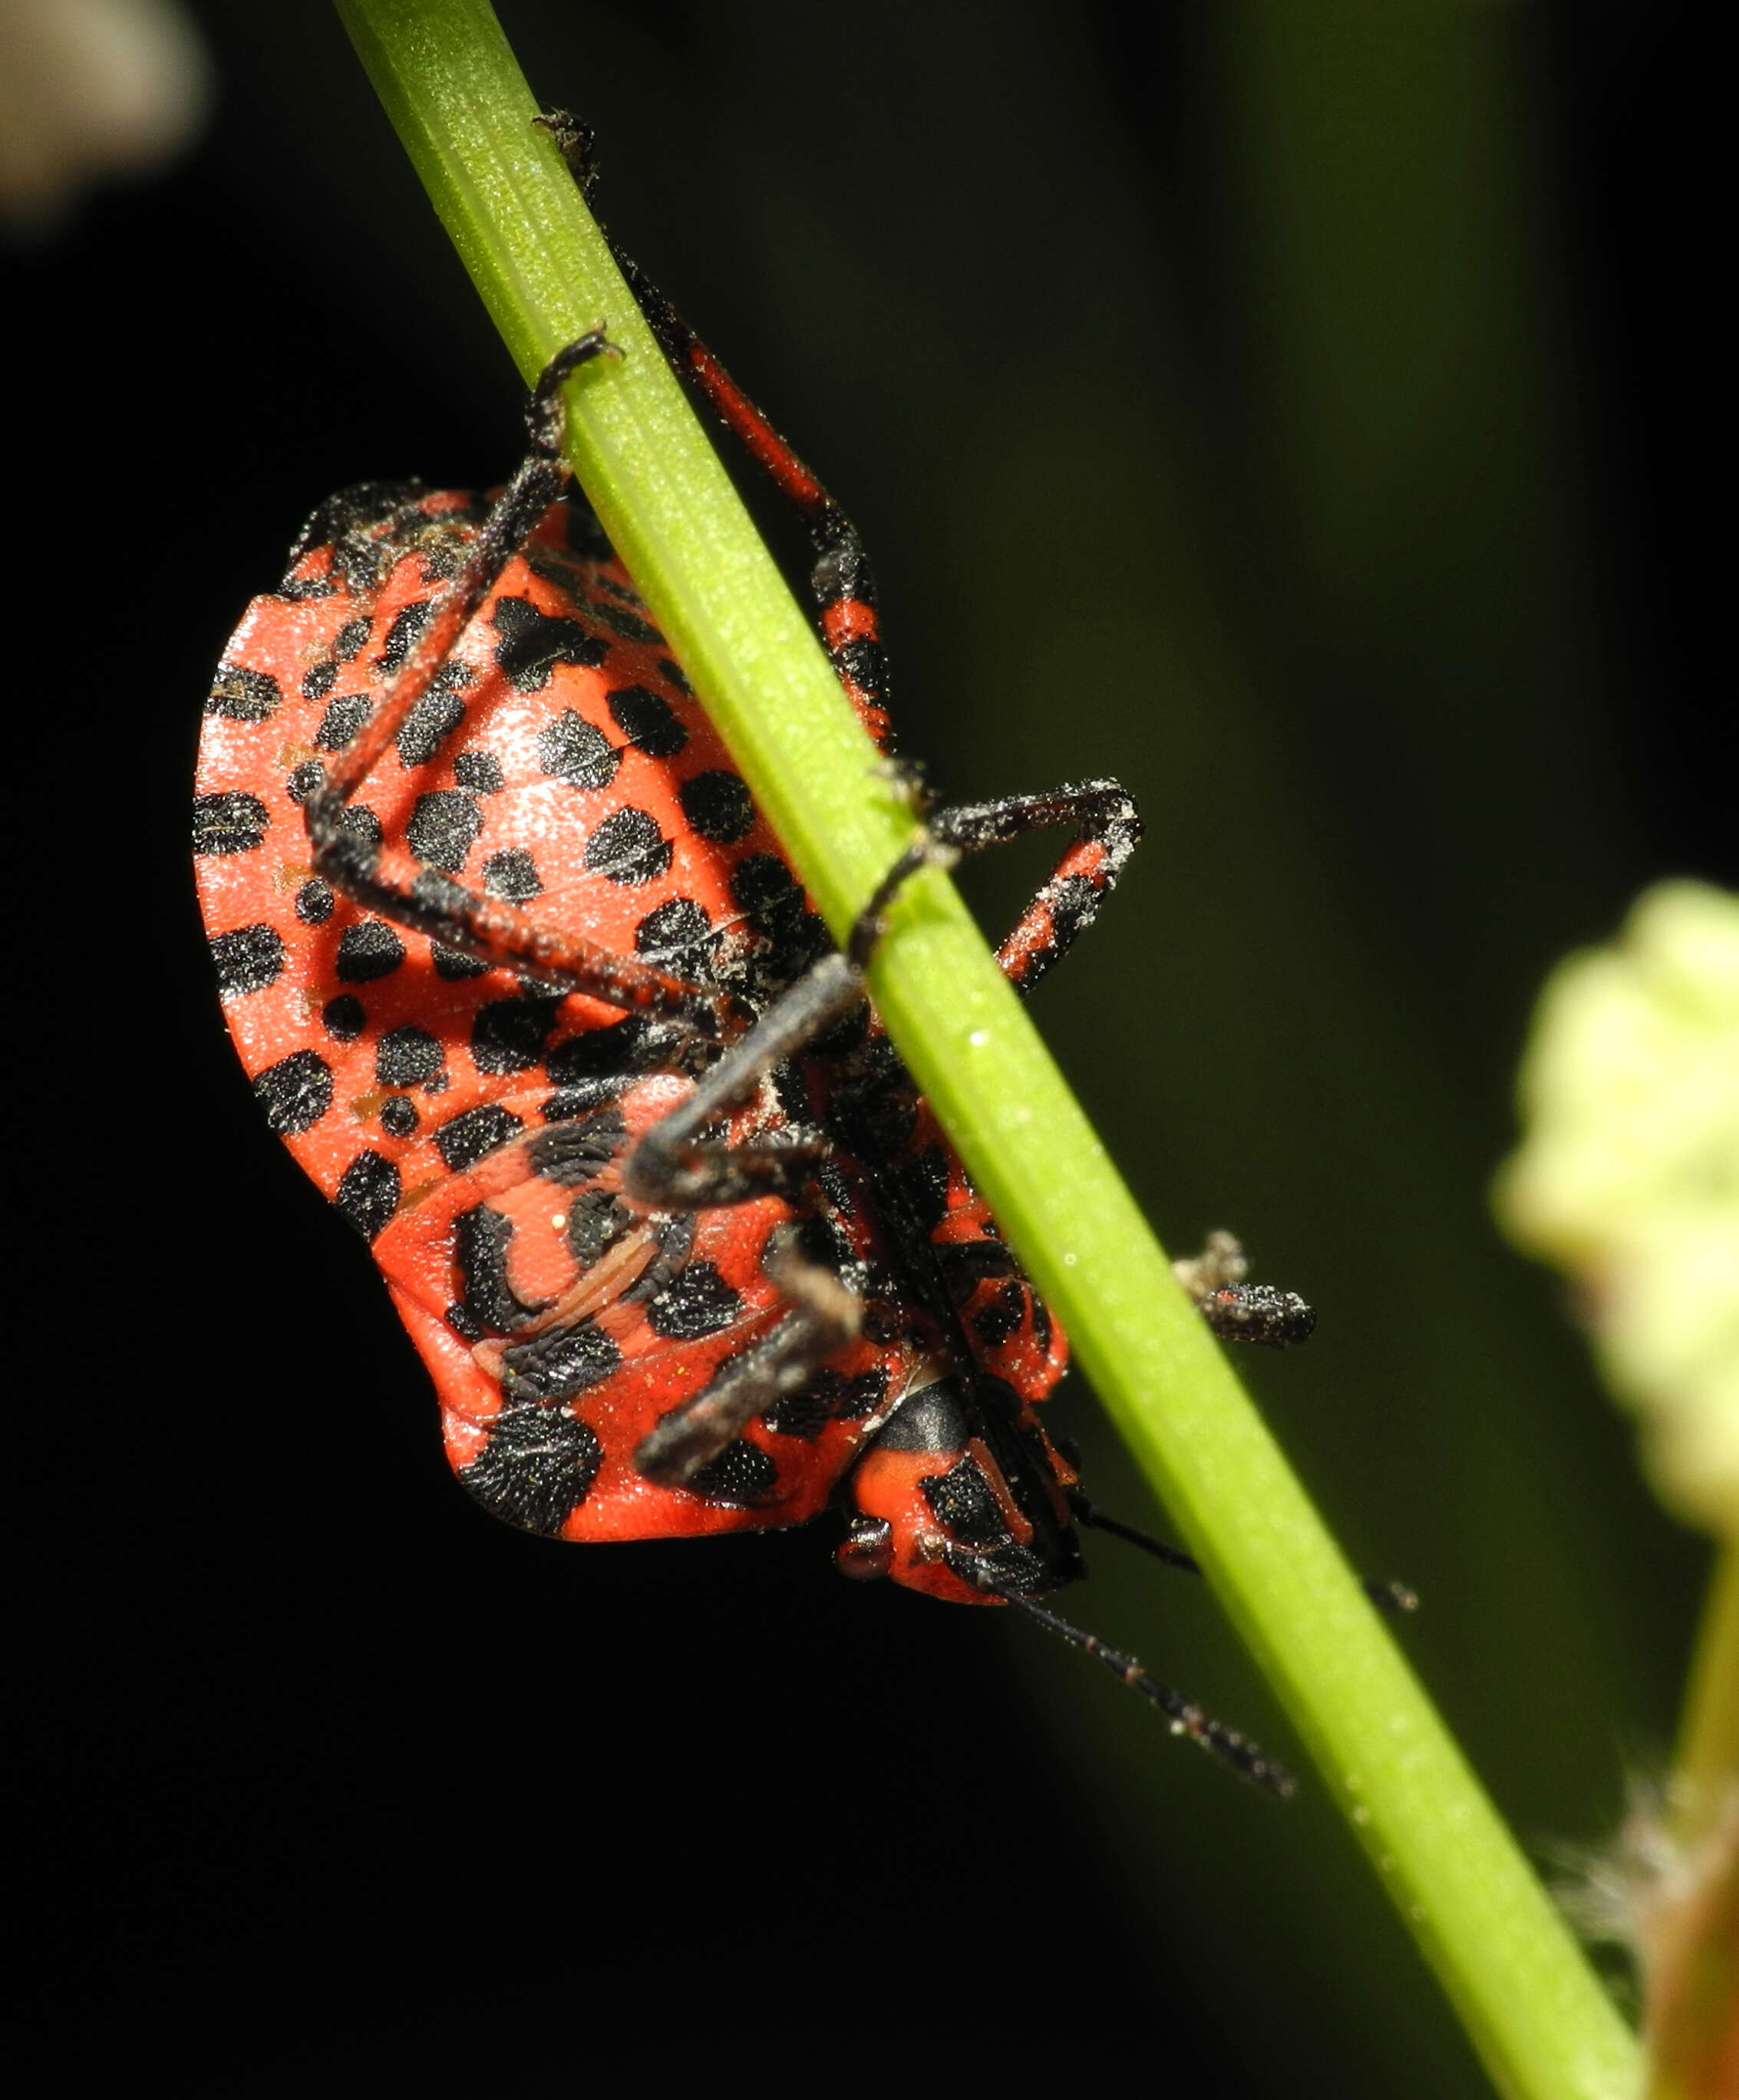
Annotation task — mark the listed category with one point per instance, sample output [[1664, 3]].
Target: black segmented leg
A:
[[1085, 875], [1238, 1311], [841, 580], [490, 929], [823, 1318]]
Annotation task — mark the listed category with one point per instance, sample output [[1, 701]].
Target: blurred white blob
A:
[[1628, 1177], [89, 89]]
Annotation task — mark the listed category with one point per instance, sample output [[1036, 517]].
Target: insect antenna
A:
[[1394, 1597], [1185, 1716]]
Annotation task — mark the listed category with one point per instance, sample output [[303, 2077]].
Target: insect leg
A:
[[841, 580], [1238, 1311], [1105, 816], [491, 929]]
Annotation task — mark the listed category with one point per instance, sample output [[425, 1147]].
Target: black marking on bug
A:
[[463, 1325], [532, 644], [480, 771], [247, 960], [434, 716], [509, 1034], [481, 1238], [537, 1468], [352, 638], [452, 966], [314, 901], [719, 807], [230, 822], [742, 1474], [369, 950], [367, 1195], [445, 824], [673, 673], [627, 847], [963, 1503], [829, 1397], [512, 873], [241, 695], [573, 749], [927, 1183], [343, 718], [647, 720], [464, 1139], [407, 622], [696, 1301], [573, 1152], [559, 1363], [399, 1116], [597, 1218], [619, 620], [676, 937], [1003, 1316], [295, 1092], [318, 681], [344, 1018], [406, 1056]]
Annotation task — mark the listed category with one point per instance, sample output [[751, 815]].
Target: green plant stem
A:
[[1706, 1765], [1534, 2011]]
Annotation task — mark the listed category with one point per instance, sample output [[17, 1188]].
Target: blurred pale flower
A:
[[90, 88], [1628, 1177]]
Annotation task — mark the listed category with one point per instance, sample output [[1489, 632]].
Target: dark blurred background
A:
[[1297, 410]]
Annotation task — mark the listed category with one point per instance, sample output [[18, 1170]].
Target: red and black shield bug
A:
[[526, 984]]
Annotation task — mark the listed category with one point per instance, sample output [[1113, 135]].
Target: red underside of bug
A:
[[474, 1125]]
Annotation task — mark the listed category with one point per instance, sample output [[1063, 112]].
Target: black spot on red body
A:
[[627, 847], [295, 1092], [343, 718], [742, 1474], [344, 1018], [239, 695], [507, 1034], [247, 960], [480, 771], [465, 1139], [445, 824], [964, 1506], [368, 1195], [437, 713], [512, 873], [532, 644], [367, 950], [696, 1301], [572, 749], [647, 720], [231, 822], [407, 622], [314, 901], [537, 1468], [405, 1057], [399, 1116], [561, 1363], [717, 807]]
